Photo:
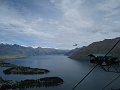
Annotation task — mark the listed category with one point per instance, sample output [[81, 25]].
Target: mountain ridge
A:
[[9, 49], [96, 47]]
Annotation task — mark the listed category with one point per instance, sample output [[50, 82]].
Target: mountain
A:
[[101, 47], [50, 51], [72, 51], [8, 50]]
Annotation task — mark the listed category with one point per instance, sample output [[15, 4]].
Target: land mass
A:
[[15, 69], [25, 70], [100, 47], [28, 83], [8, 51]]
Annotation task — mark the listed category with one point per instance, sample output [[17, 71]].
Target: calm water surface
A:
[[70, 70]]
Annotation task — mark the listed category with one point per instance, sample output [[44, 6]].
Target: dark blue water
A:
[[70, 70]]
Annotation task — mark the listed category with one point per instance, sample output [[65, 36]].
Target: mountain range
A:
[[100, 47], [8, 50]]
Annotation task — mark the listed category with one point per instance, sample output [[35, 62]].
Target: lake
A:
[[71, 71]]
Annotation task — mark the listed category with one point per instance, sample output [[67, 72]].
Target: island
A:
[[17, 56], [25, 70], [5, 64], [30, 83]]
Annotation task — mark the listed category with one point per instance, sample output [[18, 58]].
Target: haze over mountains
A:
[[101, 47], [7, 49]]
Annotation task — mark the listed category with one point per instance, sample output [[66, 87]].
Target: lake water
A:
[[72, 71]]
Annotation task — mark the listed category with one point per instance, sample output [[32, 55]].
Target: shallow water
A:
[[70, 70]]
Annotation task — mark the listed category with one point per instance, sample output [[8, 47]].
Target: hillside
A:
[[9, 50], [72, 51], [96, 47]]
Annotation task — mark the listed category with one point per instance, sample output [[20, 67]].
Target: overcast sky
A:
[[58, 23]]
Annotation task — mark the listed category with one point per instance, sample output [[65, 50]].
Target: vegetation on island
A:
[[25, 70], [14, 69], [30, 83]]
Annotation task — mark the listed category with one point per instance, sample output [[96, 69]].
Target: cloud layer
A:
[[58, 23]]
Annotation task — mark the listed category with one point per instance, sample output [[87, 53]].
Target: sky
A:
[[58, 23]]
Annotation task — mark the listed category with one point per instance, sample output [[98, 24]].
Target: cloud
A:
[[13, 23], [109, 5], [81, 23], [59, 23], [111, 8]]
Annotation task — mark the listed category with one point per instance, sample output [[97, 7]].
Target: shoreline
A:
[[9, 57]]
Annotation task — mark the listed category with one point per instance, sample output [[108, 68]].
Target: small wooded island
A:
[[28, 83], [14, 69], [25, 70]]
